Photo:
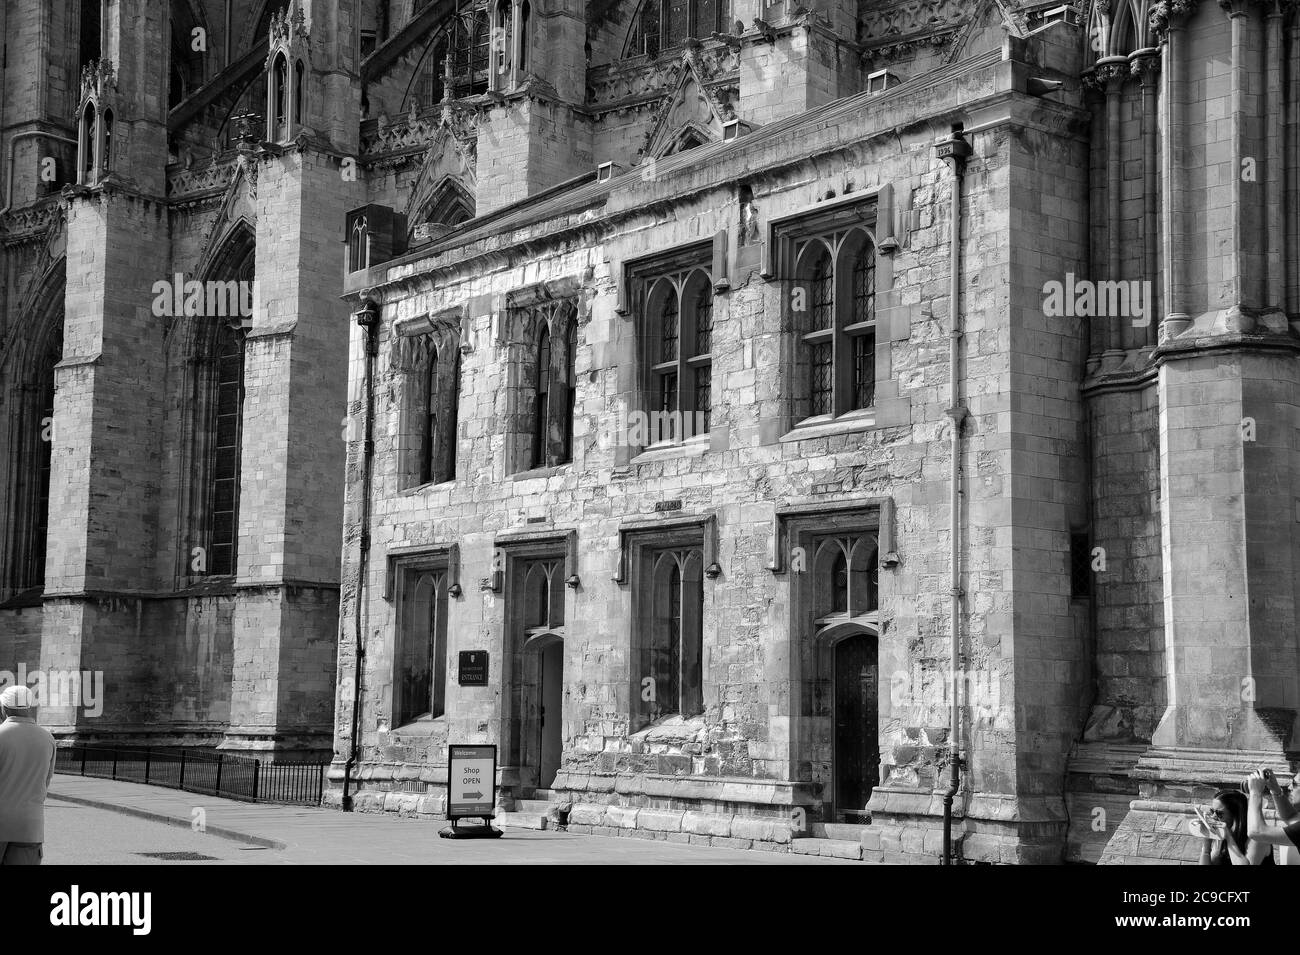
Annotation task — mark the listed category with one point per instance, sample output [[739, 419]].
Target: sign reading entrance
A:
[[473, 668], [471, 781]]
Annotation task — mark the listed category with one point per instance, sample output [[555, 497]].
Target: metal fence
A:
[[198, 771]]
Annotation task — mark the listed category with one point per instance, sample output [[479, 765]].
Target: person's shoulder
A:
[[1292, 830]]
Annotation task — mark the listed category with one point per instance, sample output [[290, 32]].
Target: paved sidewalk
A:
[[307, 836]]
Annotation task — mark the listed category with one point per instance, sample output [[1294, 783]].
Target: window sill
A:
[[422, 488], [690, 448], [672, 729], [421, 726], [533, 473], [821, 427]]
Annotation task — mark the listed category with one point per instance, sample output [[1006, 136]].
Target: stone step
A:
[[542, 806], [846, 831], [833, 848], [521, 820]]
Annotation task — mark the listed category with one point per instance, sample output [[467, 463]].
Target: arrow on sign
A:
[[473, 795]]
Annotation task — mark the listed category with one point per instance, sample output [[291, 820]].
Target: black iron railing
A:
[[198, 771]]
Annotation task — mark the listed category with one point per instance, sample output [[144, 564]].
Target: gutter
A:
[[954, 151], [367, 316]]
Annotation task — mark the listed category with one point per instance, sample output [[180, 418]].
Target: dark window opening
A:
[[661, 25], [1080, 566], [227, 424], [422, 661]]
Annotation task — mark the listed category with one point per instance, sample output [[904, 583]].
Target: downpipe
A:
[[954, 152], [368, 318]]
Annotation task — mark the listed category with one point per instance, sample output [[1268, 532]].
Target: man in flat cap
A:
[[26, 768]]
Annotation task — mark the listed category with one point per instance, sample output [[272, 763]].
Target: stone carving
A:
[[1163, 12], [288, 23], [211, 176], [416, 134], [26, 223], [716, 63], [909, 18], [97, 78]]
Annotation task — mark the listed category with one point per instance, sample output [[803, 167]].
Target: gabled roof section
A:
[[584, 194], [990, 21], [689, 109]]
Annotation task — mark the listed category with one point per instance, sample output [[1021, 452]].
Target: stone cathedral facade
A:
[[719, 372]]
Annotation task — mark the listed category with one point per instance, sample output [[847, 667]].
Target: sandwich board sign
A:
[[471, 781]]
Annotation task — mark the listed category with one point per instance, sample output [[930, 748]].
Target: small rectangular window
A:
[[1080, 566]]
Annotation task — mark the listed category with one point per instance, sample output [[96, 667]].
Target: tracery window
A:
[[833, 306], [660, 25], [420, 683], [670, 658], [675, 317], [550, 330]]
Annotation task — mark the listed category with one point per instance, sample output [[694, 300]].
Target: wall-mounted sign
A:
[[473, 668], [471, 781]]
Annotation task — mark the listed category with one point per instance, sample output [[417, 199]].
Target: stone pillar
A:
[[1114, 71], [1146, 66], [1174, 224], [108, 411], [285, 620]]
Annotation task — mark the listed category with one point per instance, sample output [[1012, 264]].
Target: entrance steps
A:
[[531, 813], [836, 840]]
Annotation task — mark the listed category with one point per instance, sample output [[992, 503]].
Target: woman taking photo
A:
[[1223, 830]]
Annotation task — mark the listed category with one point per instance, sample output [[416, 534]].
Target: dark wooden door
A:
[[857, 751], [552, 705]]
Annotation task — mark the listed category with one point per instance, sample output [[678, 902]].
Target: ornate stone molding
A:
[[30, 222], [411, 136], [97, 79], [1112, 72], [1146, 65], [620, 85], [1163, 13], [910, 20], [288, 24]]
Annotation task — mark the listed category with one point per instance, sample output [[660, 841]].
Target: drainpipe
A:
[[954, 151], [13, 149], [368, 318]]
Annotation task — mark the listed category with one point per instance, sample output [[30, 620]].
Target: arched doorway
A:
[[536, 699], [846, 632]]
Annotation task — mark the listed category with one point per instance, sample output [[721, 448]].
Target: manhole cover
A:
[[179, 856]]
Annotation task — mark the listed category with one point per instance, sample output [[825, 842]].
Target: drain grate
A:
[[179, 856]]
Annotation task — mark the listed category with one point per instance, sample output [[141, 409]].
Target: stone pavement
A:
[[303, 835]]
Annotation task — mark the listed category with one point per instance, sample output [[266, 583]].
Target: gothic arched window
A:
[[421, 678], [542, 407], [834, 306], [660, 25], [676, 324], [227, 425], [30, 495], [548, 408], [672, 651]]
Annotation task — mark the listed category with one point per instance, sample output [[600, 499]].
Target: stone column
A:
[[1146, 66], [1173, 225], [1114, 72]]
